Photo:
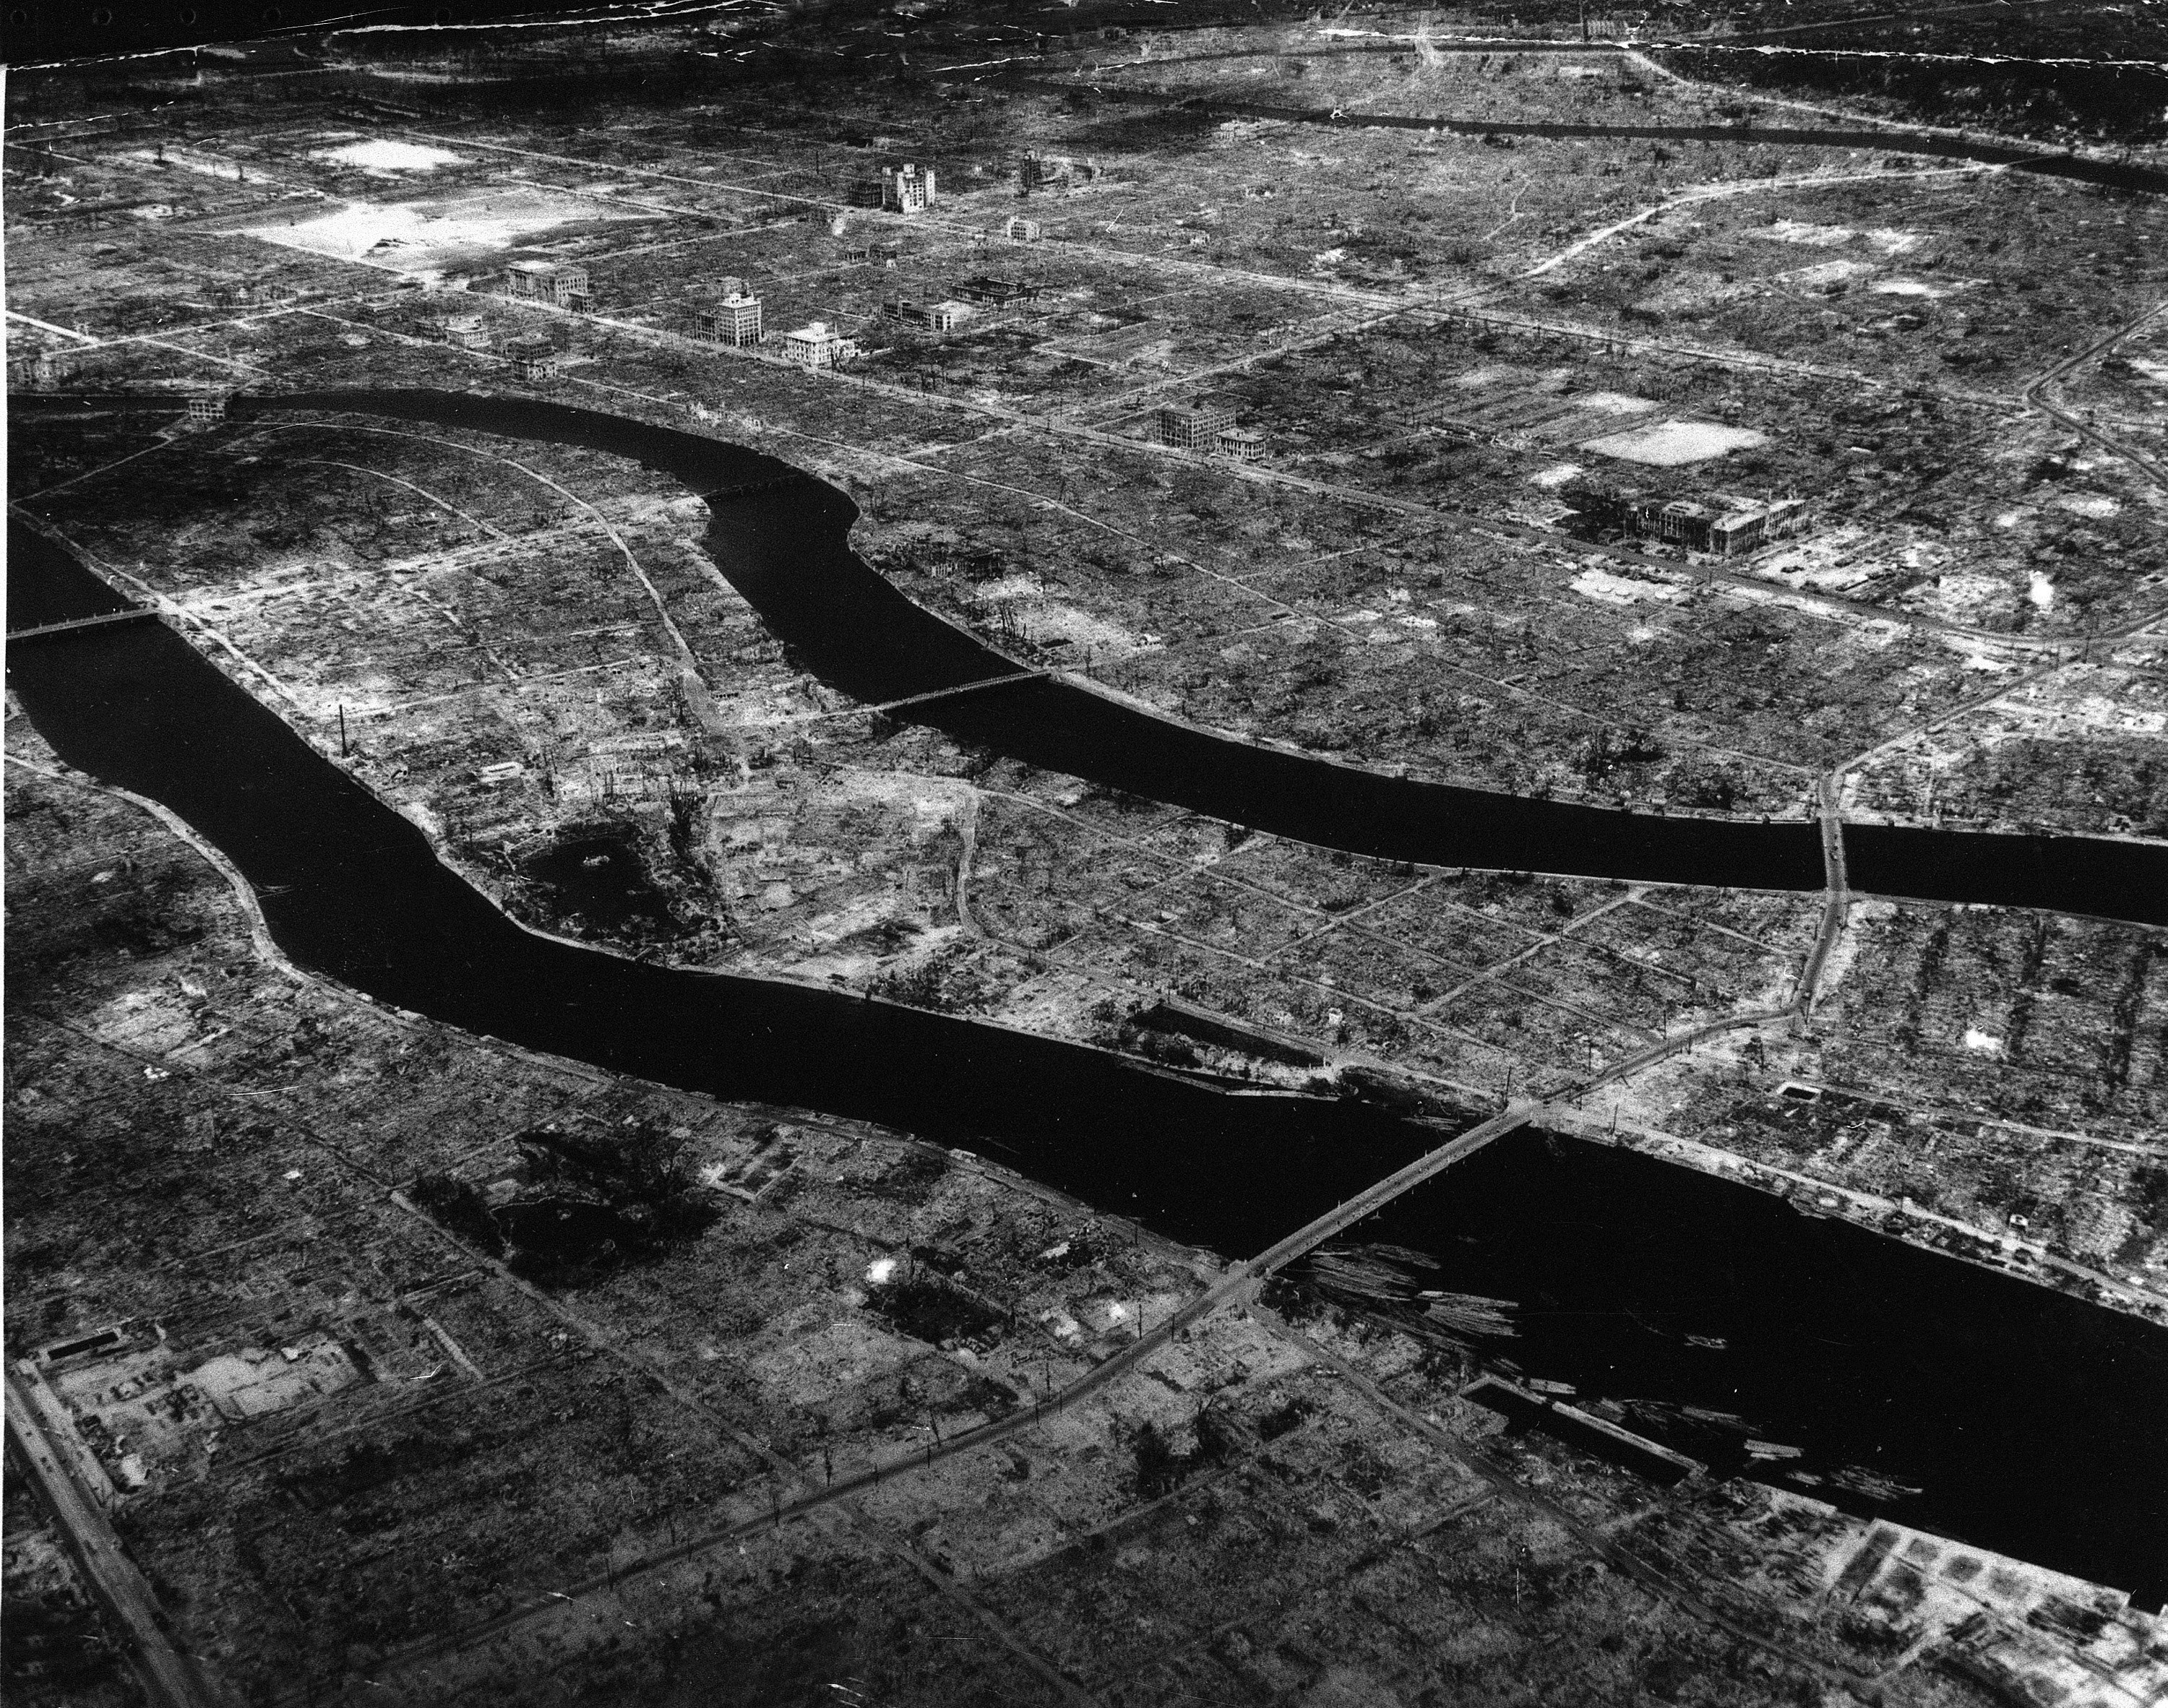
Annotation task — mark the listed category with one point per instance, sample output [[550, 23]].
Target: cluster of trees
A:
[[585, 1202], [1163, 1466]]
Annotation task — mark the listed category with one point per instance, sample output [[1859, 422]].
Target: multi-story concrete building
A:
[[461, 332], [1000, 292], [1038, 171], [1729, 526], [467, 332], [533, 358], [1196, 425], [941, 316], [907, 189], [1744, 528], [561, 283], [735, 320], [818, 345], [1738, 528], [1020, 230], [1679, 521], [1243, 444]]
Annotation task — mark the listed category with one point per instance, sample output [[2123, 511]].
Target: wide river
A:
[[2026, 1422]]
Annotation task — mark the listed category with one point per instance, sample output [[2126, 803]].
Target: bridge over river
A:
[[350, 888]]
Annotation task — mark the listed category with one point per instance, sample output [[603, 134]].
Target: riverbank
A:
[[431, 1367], [786, 551], [1571, 986], [288, 1105], [1167, 1145]]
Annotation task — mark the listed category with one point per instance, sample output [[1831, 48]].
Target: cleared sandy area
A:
[[385, 156], [440, 235], [1670, 444]]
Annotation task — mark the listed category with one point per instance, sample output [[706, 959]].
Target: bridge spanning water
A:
[[104, 619], [2063, 1471]]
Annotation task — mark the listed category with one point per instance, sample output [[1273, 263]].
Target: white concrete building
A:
[[818, 345]]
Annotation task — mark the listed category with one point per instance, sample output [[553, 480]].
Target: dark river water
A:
[[786, 548], [348, 886], [788, 552], [2028, 1423]]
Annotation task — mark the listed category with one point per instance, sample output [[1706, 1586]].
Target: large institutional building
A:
[[563, 282]]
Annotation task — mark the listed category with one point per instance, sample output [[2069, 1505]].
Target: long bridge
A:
[[135, 613], [747, 490]]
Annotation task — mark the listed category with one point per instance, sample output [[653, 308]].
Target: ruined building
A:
[[533, 358], [940, 316], [563, 283], [1038, 171], [907, 189], [1728, 528], [1196, 425], [460, 331], [1000, 292], [735, 319], [818, 345]]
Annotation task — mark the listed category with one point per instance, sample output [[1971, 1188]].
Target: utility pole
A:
[[342, 751]]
